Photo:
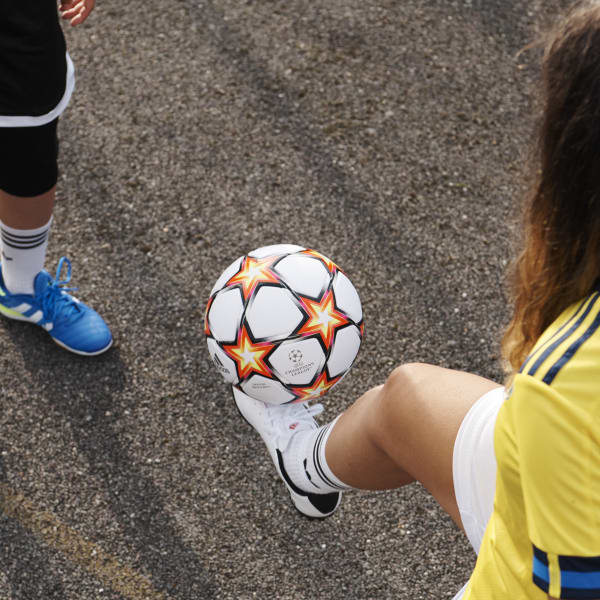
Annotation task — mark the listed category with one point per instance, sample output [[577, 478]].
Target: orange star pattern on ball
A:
[[206, 324], [331, 266], [323, 318], [317, 389], [248, 356], [253, 272]]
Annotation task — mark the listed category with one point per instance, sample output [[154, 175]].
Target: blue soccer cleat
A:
[[69, 322]]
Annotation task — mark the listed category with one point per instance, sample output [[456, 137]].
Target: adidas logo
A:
[[293, 426]]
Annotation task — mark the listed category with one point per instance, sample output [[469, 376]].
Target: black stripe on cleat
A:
[[326, 503]]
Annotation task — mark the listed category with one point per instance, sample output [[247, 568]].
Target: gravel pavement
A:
[[390, 136]]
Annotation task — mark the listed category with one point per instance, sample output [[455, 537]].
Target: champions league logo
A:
[[295, 355], [298, 364]]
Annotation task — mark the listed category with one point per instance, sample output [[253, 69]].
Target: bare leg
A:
[[26, 213], [405, 431]]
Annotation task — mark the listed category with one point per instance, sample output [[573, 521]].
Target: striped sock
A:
[[306, 465], [23, 255]]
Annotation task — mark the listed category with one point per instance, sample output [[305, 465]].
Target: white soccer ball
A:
[[284, 324]]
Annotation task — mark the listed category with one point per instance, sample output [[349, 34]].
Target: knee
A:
[[396, 403], [403, 380]]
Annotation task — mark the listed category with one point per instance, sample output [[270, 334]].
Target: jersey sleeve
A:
[[559, 461]]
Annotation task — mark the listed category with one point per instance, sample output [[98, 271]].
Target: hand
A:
[[76, 11]]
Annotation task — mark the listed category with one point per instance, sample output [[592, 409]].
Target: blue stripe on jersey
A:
[[579, 575], [580, 581], [540, 570], [566, 324], [541, 573], [563, 337], [568, 355]]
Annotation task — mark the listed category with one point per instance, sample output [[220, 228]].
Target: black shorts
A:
[[33, 65], [28, 159]]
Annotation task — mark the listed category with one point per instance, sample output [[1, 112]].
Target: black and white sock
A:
[[23, 256], [305, 462]]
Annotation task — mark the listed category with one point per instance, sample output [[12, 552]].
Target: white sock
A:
[[305, 462], [23, 255]]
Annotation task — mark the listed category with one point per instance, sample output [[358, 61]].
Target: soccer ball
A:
[[284, 324]]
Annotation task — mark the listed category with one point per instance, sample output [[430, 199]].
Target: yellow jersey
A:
[[544, 534]]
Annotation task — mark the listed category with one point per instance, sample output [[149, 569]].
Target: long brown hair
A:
[[560, 259]]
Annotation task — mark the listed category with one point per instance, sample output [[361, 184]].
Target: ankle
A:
[[306, 464], [23, 256]]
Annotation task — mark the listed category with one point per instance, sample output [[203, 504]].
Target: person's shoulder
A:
[[567, 357]]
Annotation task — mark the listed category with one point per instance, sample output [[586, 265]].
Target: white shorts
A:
[[474, 467]]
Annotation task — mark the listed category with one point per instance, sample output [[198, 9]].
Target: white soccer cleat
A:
[[276, 424]]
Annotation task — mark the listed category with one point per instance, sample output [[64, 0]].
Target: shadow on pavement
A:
[[173, 567]]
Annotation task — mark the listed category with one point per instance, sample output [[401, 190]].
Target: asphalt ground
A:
[[391, 137]]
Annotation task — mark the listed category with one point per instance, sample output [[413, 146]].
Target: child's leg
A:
[[28, 175], [405, 430], [27, 212], [24, 230]]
